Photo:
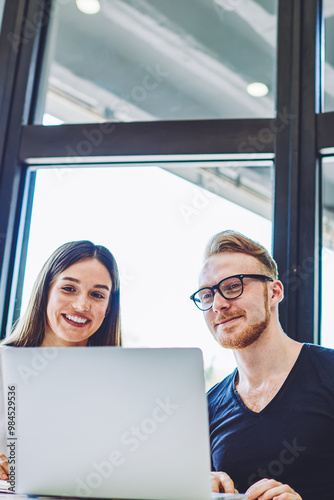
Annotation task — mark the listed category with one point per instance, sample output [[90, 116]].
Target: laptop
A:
[[107, 422]]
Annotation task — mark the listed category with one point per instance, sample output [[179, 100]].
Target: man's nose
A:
[[219, 302], [81, 303]]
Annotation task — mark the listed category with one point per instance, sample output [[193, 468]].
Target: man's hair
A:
[[232, 241]]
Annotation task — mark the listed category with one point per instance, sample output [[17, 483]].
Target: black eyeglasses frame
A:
[[261, 277]]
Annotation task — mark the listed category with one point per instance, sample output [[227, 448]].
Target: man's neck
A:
[[264, 366], [271, 357]]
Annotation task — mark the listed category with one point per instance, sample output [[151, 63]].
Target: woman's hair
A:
[[232, 241], [29, 331]]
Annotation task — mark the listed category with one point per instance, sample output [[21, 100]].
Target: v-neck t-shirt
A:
[[290, 440]]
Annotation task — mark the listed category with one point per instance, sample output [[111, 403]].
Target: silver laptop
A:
[[107, 422]]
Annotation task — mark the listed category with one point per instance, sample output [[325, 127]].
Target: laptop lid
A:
[[107, 422]]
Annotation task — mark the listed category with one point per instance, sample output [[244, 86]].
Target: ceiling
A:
[[139, 60], [146, 60]]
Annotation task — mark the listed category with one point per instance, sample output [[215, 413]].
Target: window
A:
[[2, 5], [156, 222], [329, 56], [72, 70], [327, 338], [147, 61]]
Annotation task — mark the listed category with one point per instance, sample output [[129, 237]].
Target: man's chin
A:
[[243, 339], [234, 344]]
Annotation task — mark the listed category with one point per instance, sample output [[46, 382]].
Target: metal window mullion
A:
[[19, 59], [309, 228], [297, 228], [287, 161]]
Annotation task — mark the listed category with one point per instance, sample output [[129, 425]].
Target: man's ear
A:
[[277, 292]]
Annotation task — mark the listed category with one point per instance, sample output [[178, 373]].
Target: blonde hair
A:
[[232, 241]]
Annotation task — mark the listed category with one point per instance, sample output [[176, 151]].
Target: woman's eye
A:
[[68, 288], [98, 295]]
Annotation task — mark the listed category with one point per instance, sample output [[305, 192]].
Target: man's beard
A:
[[248, 335]]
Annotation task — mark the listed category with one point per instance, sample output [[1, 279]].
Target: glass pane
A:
[[327, 337], [2, 5], [328, 6], [156, 221], [146, 60]]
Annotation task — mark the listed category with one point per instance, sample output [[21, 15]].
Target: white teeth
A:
[[76, 319]]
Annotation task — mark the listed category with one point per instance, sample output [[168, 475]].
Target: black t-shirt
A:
[[290, 440]]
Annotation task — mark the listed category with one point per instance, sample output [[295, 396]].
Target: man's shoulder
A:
[[321, 362], [318, 352], [221, 387]]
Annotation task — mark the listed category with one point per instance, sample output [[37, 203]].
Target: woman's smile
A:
[[77, 303]]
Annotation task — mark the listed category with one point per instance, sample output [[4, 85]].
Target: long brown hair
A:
[[29, 331]]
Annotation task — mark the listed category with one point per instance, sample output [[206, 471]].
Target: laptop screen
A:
[[107, 422]]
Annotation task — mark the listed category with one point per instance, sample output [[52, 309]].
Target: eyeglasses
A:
[[229, 288]]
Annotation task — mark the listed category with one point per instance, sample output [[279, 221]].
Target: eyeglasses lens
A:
[[229, 288], [204, 299]]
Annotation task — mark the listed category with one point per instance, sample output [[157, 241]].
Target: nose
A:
[[81, 303], [219, 302]]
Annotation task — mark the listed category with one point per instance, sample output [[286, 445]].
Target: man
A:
[[272, 420]]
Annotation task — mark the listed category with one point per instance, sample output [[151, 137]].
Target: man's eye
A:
[[233, 286], [206, 297]]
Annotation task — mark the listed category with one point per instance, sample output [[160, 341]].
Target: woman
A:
[[75, 302]]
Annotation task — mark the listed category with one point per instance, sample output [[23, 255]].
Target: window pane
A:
[[157, 224], [149, 60], [328, 6], [327, 337], [2, 5]]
